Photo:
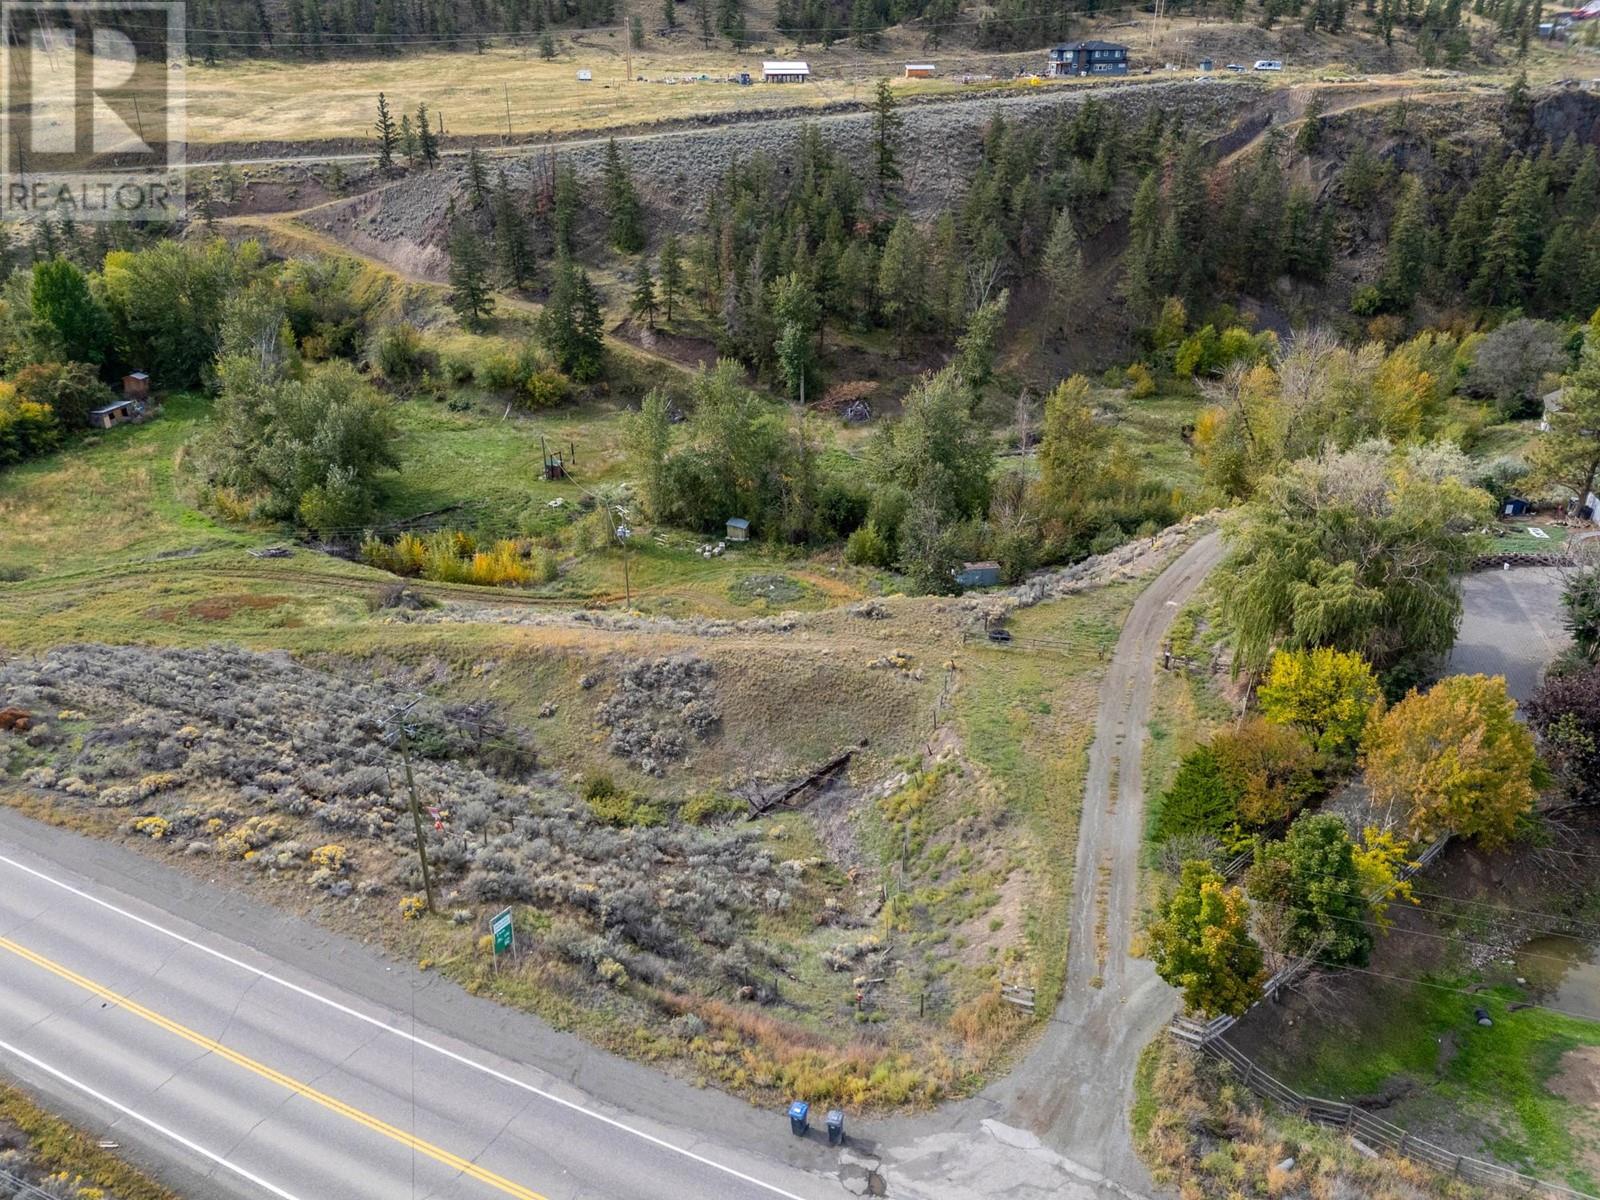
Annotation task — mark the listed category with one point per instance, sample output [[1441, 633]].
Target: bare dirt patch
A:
[[218, 608], [1577, 1078]]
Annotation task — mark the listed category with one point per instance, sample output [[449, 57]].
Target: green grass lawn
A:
[[111, 498], [1495, 1086]]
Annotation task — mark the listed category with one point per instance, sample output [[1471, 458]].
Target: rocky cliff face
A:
[[1565, 112]]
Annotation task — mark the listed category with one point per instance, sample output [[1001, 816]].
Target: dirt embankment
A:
[[403, 224]]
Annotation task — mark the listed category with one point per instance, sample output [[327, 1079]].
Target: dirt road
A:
[[1058, 1125]]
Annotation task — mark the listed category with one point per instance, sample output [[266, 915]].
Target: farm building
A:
[[136, 386], [921, 70], [785, 72], [1088, 58], [125, 409], [978, 574], [738, 529]]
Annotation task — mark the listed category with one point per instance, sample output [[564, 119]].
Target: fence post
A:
[[1249, 1074], [1349, 1117]]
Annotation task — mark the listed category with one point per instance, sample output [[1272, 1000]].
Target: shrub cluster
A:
[[453, 556], [262, 759]]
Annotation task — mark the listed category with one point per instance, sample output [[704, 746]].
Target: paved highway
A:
[[269, 1081]]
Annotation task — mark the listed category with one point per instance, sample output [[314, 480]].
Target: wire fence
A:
[[1380, 1135], [1198, 1033]]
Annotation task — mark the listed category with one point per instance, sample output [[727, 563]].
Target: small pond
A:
[[1563, 973]]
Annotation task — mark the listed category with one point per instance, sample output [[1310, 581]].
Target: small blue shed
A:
[[978, 574]]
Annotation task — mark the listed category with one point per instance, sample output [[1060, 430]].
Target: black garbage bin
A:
[[835, 1127], [799, 1111]]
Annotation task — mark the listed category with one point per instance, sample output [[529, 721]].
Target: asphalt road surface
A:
[[265, 1081], [1511, 625]]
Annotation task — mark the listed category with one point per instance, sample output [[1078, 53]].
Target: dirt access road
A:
[[1057, 1126]]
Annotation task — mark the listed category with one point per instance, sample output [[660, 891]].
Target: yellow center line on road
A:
[[454, 1161]]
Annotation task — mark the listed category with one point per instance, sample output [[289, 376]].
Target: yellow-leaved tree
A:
[[1327, 694], [1454, 759]]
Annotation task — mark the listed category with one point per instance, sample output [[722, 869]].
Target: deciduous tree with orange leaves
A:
[[1454, 759]]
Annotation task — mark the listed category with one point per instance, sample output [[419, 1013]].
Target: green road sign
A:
[[500, 926]]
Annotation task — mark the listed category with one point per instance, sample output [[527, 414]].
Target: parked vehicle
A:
[[1269, 64], [999, 635], [1235, 67]]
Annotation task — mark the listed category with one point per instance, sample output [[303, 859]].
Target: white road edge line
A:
[[400, 1033], [144, 1120]]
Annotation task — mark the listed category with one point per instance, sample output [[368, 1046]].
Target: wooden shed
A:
[[921, 70], [136, 386], [114, 414], [738, 529]]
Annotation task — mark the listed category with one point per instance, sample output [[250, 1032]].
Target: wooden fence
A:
[[1198, 1033], [1380, 1135]]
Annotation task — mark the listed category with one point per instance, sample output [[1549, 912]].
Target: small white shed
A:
[[785, 72]]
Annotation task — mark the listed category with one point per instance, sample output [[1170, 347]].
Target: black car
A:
[[999, 635]]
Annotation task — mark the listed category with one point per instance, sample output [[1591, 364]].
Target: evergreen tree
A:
[[477, 181], [408, 141], [669, 13], [572, 326], [564, 209], [643, 303], [1511, 252], [1405, 259], [547, 44], [388, 135], [622, 203], [670, 267], [1140, 283], [900, 279], [886, 126], [512, 235], [470, 294], [427, 139], [730, 21], [1062, 267]]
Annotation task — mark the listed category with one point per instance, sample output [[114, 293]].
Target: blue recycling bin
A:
[[835, 1127], [799, 1112]]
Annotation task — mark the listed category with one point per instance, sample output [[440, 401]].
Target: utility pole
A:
[[416, 816], [403, 737], [623, 534], [506, 87]]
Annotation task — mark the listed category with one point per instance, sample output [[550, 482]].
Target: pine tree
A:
[[409, 145], [1140, 284], [572, 326], [388, 136], [470, 294], [1510, 254], [1062, 267], [427, 139], [513, 237], [900, 279], [547, 44], [730, 21], [622, 203], [564, 209], [886, 126], [671, 270], [669, 13], [643, 303], [1405, 260], [477, 181]]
